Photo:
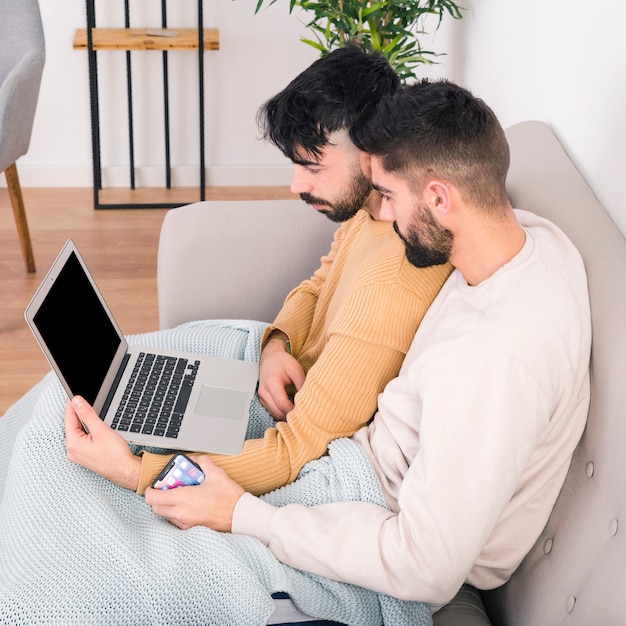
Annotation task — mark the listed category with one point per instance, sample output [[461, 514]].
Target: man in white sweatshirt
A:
[[473, 439]]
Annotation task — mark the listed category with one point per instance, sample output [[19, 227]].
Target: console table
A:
[[128, 39]]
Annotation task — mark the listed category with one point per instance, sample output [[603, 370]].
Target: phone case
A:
[[181, 471]]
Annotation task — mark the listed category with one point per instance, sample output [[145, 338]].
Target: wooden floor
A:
[[120, 247]]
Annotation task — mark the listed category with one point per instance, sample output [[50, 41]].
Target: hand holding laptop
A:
[[102, 450]]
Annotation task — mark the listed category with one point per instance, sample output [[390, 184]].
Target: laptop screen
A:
[[77, 330]]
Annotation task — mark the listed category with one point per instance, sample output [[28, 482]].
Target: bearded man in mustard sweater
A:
[[342, 334]]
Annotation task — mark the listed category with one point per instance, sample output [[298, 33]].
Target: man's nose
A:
[[300, 181]]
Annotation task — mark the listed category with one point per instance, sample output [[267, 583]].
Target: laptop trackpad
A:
[[222, 402]]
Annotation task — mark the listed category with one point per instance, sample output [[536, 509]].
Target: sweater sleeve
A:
[[366, 346], [294, 319]]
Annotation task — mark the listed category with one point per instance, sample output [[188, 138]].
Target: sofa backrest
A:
[[236, 259], [576, 572]]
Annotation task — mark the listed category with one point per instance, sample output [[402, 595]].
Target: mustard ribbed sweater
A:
[[350, 326]]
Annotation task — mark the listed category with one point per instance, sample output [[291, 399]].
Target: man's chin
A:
[[422, 257], [330, 214]]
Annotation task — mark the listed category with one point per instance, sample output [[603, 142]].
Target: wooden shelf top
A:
[[138, 39]]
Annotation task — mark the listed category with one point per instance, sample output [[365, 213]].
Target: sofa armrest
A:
[[236, 259]]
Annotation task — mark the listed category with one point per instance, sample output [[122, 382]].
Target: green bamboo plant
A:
[[391, 27]]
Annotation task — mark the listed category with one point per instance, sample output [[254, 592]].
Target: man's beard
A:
[[440, 240], [349, 204]]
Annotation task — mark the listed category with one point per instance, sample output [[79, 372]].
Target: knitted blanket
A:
[[78, 550]]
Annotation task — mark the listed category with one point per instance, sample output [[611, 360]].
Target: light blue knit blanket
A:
[[78, 550]]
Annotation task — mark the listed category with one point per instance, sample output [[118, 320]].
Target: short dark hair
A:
[[336, 92], [440, 129]]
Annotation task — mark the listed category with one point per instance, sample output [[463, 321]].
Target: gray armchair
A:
[[22, 56]]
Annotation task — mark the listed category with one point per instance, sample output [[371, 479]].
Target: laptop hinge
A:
[[116, 382]]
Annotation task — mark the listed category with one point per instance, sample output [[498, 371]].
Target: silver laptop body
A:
[[208, 397]]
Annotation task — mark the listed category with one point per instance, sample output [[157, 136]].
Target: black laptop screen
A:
[[77, 330]]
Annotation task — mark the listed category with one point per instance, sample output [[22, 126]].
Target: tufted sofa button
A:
[[547, 546], [569, 605], [589, 469]]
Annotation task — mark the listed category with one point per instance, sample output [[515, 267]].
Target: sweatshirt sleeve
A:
[[451, 499]]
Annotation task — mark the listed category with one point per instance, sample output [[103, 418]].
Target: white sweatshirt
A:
[[471, 442]]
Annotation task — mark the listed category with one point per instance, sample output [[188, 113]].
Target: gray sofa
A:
[[239, 260]]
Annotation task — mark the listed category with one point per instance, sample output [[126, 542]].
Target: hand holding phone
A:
[[181, 471]]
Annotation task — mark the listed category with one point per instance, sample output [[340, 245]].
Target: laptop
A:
[[152, 397]]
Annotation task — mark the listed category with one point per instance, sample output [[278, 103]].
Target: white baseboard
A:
[[219, 176]]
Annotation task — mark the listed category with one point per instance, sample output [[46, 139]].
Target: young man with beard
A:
[[472, 441], [342, 334]]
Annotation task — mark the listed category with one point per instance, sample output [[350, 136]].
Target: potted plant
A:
[[391, 27]]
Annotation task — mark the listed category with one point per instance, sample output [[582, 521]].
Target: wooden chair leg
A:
[[17, 201]]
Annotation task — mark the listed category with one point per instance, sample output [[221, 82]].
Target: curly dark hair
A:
[[336, 92]]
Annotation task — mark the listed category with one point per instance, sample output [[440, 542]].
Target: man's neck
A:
[[487, 245], [373, 204]]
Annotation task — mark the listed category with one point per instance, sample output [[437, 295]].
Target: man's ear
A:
[[438, 195]]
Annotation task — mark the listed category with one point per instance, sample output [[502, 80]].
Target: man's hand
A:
[[278, 370], [209, 504], [102, 451]]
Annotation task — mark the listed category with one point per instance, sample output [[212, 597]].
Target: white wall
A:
[[258, 55], [560, 61]]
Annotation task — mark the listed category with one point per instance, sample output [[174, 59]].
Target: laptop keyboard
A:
[[156, 395]]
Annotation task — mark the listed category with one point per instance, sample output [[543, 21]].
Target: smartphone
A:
[[181, 471]]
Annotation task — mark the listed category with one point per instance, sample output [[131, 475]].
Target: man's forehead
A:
[[338, 140]]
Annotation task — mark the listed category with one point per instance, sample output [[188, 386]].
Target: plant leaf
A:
[[392, 27]]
